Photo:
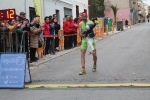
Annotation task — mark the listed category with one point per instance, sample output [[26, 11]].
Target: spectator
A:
[[8, 35], [76, 26], [52, 40], [35, 30], [17, 18], [41, 49], [57, 28], [66, 28], [23, 20], [47, 32], [54, 17], [72, 39], [4, 33], [64, 19], [12, 25], [50, 19], [126, 23]]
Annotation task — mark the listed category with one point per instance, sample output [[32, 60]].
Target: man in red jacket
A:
[[66, 28]]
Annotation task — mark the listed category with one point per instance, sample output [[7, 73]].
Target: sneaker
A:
[[82, 72], [94, 68]]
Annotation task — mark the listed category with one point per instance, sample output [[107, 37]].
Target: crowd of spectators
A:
[[40, 38]]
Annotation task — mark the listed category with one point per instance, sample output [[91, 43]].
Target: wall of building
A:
[[83, 4], [19, 5], [122, 4], [121, 14], [49, 7]]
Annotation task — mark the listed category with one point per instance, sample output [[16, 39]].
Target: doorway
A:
[[77, 11], [58, 15], [32, 13], [85, 10]]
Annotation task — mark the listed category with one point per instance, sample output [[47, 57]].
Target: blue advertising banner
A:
[[12, 70]]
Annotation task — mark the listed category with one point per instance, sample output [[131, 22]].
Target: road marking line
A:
[[86, 85]]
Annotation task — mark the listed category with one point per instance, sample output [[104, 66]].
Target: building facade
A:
[[128, 10], [142, 7], [47, 7]]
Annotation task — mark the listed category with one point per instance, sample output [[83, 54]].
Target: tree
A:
[[107, 4], [147, 16], [115, 9], [96, 8]]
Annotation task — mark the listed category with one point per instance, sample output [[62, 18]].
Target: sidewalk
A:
[[61, 53]]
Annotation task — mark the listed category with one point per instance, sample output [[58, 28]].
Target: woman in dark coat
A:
[[35, 31], [57, 28]]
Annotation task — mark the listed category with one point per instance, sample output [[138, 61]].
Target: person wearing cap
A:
[[84, 44], [25, 21]]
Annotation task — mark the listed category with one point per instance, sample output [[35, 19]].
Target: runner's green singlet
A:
[[84, 44]]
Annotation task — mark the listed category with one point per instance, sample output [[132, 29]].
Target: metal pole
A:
[[16, 39], [43, 8]]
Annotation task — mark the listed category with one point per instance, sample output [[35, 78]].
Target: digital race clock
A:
[[7, 14]]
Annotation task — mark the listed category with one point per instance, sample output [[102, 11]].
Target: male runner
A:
[[84, 45]]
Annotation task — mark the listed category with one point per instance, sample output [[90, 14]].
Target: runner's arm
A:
[[80, 31]]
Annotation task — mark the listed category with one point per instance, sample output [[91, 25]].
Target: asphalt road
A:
[[77, 94], [122, 58]]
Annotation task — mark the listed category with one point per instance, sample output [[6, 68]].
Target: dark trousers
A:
[[74, 39], [32, 54], [2, 45], [52, 46], [47, 45], [66, 41], [56, 42], [70, 42]]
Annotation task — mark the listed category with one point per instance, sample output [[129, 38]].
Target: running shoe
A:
[[82, 72], [94, 68]]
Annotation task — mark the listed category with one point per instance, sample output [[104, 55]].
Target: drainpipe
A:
[[25, 5], [43, 6]]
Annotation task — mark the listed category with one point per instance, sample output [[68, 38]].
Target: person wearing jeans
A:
[[52, 39]]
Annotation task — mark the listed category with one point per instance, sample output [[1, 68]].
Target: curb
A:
[[51, 58], [63, 86]]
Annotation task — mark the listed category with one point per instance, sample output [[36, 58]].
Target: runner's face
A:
[[84, 18]]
